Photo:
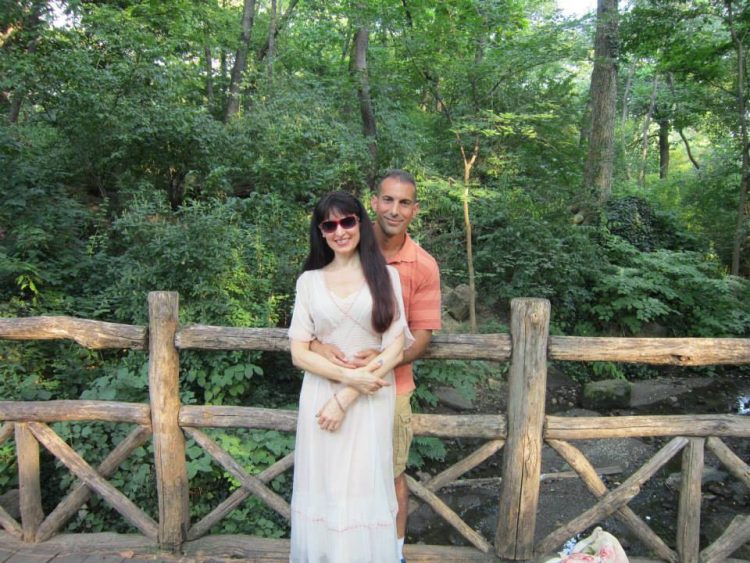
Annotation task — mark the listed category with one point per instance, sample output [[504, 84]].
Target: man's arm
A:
[[332, 353], [422, 338]]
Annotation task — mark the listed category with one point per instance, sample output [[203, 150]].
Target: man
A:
[[395, 205]]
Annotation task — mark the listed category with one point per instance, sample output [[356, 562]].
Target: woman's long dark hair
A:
[[373, 263]]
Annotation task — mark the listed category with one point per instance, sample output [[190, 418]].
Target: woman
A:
[[343, 501]]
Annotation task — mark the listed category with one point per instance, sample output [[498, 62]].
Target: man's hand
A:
[[364, 381], [331, 415], [364, 357], [332, 354]]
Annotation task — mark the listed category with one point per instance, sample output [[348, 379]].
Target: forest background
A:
[[601, 163]]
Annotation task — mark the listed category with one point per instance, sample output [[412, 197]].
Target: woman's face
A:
[[341, 232]]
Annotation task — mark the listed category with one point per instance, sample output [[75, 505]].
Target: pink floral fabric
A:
[[599, 547]]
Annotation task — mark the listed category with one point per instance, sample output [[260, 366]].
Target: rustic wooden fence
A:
[[521, 433]]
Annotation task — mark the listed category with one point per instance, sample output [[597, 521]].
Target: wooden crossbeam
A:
[[90, 334], [6, 431], [69, 506], [67, 455], [590, 476], [248, 481], [6, 520], [736, 534], [447, 514], [468, 463], [10, 524], [613, 500], [237, 497], [731, 461]]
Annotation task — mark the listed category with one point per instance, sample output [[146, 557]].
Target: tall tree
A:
[[599, 167], [645, 131], [358, 69], [740, 47], [240, 60], [22, 31]]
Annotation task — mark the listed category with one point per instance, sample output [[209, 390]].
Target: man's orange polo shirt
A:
[[420, 283]]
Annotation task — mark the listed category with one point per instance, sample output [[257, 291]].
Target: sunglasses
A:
[[331, 225]]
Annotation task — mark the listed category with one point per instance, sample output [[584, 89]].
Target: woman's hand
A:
[[365, 381], [331, 416]]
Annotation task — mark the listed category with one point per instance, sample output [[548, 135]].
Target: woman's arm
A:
[[332, 414], [362, 379]]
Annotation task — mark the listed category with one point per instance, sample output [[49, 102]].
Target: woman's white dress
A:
[[343, 501]]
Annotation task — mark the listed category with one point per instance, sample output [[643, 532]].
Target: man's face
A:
[[395, 205]]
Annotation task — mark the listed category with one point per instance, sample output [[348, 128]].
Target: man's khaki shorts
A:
[[402, 433]]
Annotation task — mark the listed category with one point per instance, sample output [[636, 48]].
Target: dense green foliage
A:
[[120, 176]]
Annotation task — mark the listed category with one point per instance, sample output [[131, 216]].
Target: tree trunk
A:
[[273, 32], [663, 148], [468, 165], [687, 149], [209, 74], [31, 26], [271, 39], [624, 119], [358, 69], [644, 134], [599, 168], [240, 61], [740, 232]]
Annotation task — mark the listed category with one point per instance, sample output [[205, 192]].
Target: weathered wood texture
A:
[[736, 534], [449, 476], [27, 453], [250, 482], [7, 431], [93, 480], [447, 514], [6, 520], [447, 426], [590, 476], [69, 506], [102, 542], [669, 351], [56, 411], [594, 427], [224, 548], [497, 347], [552, 476], [731, 460], [522, 457], [169, 443], [272, 550], [237, 497], [613, 500], [207, 416], [10, 525], [689, 512], [89, 334], [450, 346]]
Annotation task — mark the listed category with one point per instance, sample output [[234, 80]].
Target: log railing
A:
[[521, 432]]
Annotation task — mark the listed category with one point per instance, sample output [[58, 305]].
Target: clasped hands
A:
[[360, 380]]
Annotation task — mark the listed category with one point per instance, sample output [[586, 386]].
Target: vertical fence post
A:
[[689, 514], [169, 442], [30, 491], [527, 382]]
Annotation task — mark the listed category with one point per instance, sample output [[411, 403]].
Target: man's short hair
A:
[[398, 174]]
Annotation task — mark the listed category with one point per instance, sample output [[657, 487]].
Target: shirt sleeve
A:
[[302, 327], [425, 301], [399, 325]]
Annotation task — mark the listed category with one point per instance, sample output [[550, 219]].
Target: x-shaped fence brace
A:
[[611, 502], [90, 480], [615, 502]]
